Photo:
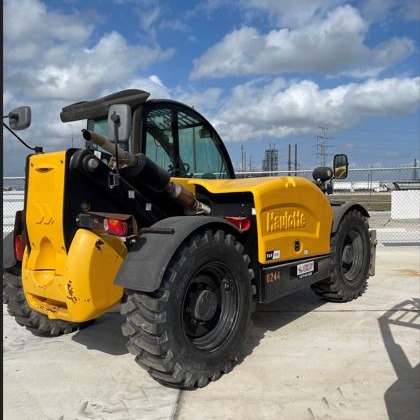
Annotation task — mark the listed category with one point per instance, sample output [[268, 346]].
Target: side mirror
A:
[[119, 123], [20, 118], [341, 166]]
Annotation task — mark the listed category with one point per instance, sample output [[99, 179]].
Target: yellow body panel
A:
[[287, 209], [44, 212], [76, 285], [86, 288]]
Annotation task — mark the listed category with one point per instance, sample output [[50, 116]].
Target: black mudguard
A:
[[340, 209], [145, 264]]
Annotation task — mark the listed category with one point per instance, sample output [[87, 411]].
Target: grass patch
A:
[[371, 201]]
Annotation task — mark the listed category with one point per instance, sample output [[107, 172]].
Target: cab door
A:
[[183, 142]]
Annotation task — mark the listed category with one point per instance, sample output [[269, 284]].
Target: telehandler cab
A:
[[150, 216]]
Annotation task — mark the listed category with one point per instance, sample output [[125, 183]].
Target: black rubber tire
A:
[[350, 260], [175, 346], [36, 322], [15, 270]]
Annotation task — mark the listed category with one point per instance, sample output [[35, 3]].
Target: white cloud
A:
[[29, 20], [63, 73], [53, 59], [51, 55], [411, 10], [297, 13], [292, 13], [262, 109], [381, 10], [334, 45], [148, 18], [202, 100], [151, 84]]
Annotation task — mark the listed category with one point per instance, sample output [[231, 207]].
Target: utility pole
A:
[[289, 161], [243, 158], [296, 164], [415, 170]]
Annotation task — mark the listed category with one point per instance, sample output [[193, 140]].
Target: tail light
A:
[[19, 247], [112, 223], [19, 241], [242, 223], [116, 227]]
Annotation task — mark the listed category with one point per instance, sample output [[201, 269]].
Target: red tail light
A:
[[19, 247], [242, 223], [116, 227], [112, 223]]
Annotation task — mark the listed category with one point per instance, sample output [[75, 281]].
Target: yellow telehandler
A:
[[149, 216]]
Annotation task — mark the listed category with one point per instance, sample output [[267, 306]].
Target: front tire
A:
[[350, 260], [191, 330]]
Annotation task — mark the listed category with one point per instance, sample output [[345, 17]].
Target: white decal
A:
[[305, 268]]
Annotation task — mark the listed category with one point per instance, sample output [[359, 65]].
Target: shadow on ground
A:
[[104, 335], [277, 314], [402, 398]]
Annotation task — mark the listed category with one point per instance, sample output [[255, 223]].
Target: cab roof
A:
[[99, 107]]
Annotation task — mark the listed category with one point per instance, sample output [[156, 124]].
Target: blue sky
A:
[[262, 71]]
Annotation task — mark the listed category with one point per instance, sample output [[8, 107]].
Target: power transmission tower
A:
[[322, 146]]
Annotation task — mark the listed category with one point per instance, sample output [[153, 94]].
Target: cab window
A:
[[160, 139], [100, 126], [183, 144], [198, 150]]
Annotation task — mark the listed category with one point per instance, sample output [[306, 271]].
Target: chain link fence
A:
[[13, 194], [391, 195]]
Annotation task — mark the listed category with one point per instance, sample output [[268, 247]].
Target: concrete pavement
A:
[[307, 359]]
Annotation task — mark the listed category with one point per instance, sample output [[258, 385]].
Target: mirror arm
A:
[[116, 119], [36, 149]]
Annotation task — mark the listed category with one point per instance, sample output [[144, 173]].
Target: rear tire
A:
[[350, 259], [191, 330], [17, 306], [15, 270]]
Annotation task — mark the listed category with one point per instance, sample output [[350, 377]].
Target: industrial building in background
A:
[[271, 159]]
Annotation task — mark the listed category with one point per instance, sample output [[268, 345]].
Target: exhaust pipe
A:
[[139, 169], [124, 158]]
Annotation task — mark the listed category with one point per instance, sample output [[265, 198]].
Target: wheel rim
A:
[[210, 307], [352, 255]]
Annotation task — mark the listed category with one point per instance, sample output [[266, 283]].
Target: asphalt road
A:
[[307, 359]]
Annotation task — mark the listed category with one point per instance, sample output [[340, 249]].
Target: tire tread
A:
[[333, 289], [146, 326]]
